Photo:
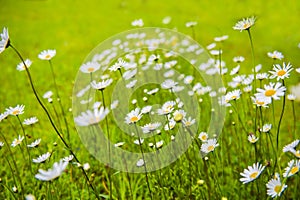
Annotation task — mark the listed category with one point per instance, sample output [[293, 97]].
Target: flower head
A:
[[34, 143], [209, 145], [17, 141], [275, 187], [167, 108], [22, 67], [271, 91], [251, 173], [89, 67], [18, 110], [244, 24], [134, 116], [53, 173], [275, 55], [252, 138], [292, 168], [5, 42], [281, 72], [47, 54], [138, 23], [203, 136], [42, 158], [150, 127], [30, 121], [290, 147], [233, 95], [101, 85], [90, 118]]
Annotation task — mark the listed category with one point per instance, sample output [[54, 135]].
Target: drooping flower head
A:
[[5, 42]]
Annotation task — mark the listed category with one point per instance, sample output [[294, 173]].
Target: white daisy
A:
[[178, 115], [4, 115], [101, 85], [119, 144], [190, 24], [235, 70], [68, 158], [30, 121], [131, 84], [1, 144], [170, 125], [137, 22], [291, 146], [167, 108], [42, 158], [17, 141], [275, 55], [47, 54], [238, 59], [146, 109], [140, 163], [233, 95], [209, 145], [159, 144], [221, 38], [262, 76], [188, 79], [291, 97], [251, 173], [89, 118], [150, 127], [89, 67], [266, 128], [168, 84], [166, 20], [53, 173], [129, 74], [18, 110], [118, 65], [5, 42], [244, 24], [292, 168], [134, 116], [139, 141], [188, 121], [281, 72], [275, 187], [152, 92], [203, 136], [21, 66], [252, 138], [48, 95], [34, 143], [261, 101], [271, 91], [114, 104]]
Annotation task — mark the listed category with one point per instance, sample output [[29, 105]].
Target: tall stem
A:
[[280, 119], [253, 57]]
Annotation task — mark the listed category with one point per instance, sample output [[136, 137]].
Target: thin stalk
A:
[[253, 57], [294, 117], [280, 119], [50, 119]]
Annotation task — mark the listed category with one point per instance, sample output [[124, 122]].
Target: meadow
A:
[[202, 104]]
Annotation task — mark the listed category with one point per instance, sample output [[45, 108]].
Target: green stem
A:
[[253, 57], [280, 119]]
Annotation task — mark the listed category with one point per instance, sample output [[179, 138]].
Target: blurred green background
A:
[[74, 28]]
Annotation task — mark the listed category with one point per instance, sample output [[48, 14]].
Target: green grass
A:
[[74, 28]]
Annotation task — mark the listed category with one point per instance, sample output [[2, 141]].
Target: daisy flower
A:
[[114, 104], [159, 144], [53, 173], [4, 115], [146, 109], [34, 143], [281, 72], [140, 163], [101, 85], [42, 158], [188, 121], [152, 92], [209, 145], [118, 65], [244, 24], [233, 95], [252, 138], [119, 144], [235, 70], [1, 144], [179, 115], [238, 59], [251, 173], [150, 127], [131, 84], [291, 97], [261, 101], [89, 118], [170, 125], [129, 74], [5, 42], [30, 197], [134, 116], [188, 79], [138, 141], [30, 121], [262, 76], [167, 108], [292, 168], [47, 54], [17, 141], [166, 20], [18, 110], [68, 158], [273, 90], [275, 55], [168, 84], [221, 38], [89, 67], [190, 24], [275, 187], [86, 166], [203, 136], [138, 23], [291, 146], [266, 128], [21, 66], [48, 94]]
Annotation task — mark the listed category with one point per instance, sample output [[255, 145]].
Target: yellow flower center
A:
[[281, 72], [297, 153], [90, 69], [270, 92], [260, 102], [246, 25], [16, 112], [253, 175], [233, 97], [204, 137], [294, 170], [134, 119], [187, 123], [277, 188], [178, 117], [47, 56], [210, 148]]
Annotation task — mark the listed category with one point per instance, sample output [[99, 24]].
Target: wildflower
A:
[[21, 66], [17, 141], [238, 59], [291, 97], [114, 104], [30, 121], [281, 72], [262, 76], [190, 24], [18, 110], [89, 67], [248, 88], [140, 163], [233, 95], [68, 158], [261, 101], [30, 197], [211, 46], [150, 127], [152, 92], [89, 118], [166, 20], [159, 144], [298, 70], [42, 158], [168, 84], [131, 84], [273, 90], [48, 95], [266, 128], [146, 109], [275, 187], [251, 173], [53, 173], [119, 144], [235, 70], [139, 141], [101, 85], [129, 74], [167, 108], [118, 65], [292, 168], [291, 146], [252, 138], [188, 79], [34, 143], [86, 166], [170, 125], [47, 54], [1, 144], [244, 24], [5, 42], [137, 22], [134, 116], [209, 145], [221, 38], [179, 115], [4, 115], [275, 55], [203, 136], [15, 189]]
